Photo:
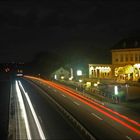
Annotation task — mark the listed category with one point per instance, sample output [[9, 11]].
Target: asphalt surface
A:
[[122, 108], [99, 124], [55, 126], [4, 107]]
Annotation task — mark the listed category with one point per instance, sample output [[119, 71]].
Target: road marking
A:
[[54, 90], [128, 138], [97, 116], [63, 95], [76, 103], [40, 119]]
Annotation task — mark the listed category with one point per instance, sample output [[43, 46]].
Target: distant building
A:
[[60, 74], [125, 63]]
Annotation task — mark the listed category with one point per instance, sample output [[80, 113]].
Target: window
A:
[[131, 57], [92, 72], [121, 58], [139, 58], [126, 58], [116, 60], [136, 57]]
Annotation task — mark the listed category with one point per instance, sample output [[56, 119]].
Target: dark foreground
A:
[[4, 107]]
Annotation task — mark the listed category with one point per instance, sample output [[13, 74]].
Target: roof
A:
[[133, 42]]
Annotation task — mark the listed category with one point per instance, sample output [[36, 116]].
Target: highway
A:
[[102, 122], [52, 123]]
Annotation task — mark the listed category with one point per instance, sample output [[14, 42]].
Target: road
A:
[[52, 122], [102, 122]]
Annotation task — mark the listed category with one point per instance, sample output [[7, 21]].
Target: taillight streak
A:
[[91, 101], [98, 109]]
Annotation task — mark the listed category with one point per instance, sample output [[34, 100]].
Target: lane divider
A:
[[97, 116], [76, 103]]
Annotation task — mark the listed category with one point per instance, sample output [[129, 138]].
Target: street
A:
[[52, 123], [102, 122]]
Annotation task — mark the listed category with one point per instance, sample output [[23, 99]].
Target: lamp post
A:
[[116, 93], [126, 91]]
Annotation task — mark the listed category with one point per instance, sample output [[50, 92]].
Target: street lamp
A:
[[116, 94]]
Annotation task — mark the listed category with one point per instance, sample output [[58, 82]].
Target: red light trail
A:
[[90, 103]]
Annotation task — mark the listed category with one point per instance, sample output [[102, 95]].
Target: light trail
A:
[[90, 103], [99, 110], [41, 133], [23, 111], [114, 112]]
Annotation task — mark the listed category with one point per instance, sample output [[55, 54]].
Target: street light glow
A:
[[79, 72], [62, 77], [55, 77], [80, 80], [116, 90]]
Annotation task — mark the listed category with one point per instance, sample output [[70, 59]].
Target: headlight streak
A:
[[23, 111], [41, 133]]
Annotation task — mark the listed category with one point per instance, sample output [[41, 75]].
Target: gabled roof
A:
[[61, 68]]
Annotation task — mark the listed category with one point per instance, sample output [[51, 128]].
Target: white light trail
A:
[[23, 111], [41, 133]]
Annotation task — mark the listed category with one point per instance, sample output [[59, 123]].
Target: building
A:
[[60, 74], [126, 56], [100, 71], [125, 63]]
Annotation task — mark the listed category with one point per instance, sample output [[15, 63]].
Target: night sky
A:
[[67, 27]]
